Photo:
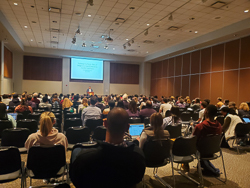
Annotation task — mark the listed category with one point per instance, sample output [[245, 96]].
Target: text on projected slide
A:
[[86, 69]]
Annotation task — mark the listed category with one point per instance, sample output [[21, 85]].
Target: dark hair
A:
[[197, 100], [132, 107], [144, 99], [23, 102], [155, 100], [156, 122], [5, 96], [120, 104], [99, 99], [226, 101], [165, 100], [3, 113], [29, 97], [211, 111], [204, 104], [72, 94], [93, 100], [208, 101], [15, 96], [111, 104], [228, 110], [45, 99], [148, 104]]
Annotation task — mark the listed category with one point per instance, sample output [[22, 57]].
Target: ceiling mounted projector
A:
[[109, 39]]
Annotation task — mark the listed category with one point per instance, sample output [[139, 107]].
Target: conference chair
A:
[[174, 130], [182, 109], [195, 116], [58, 120], [209, 147], [184, 151], [11, 165], [220, 119], [158, 154], [71, 115], [146, 121], [15, 137], [19, 116], [4, 124], [45, 109], [93, 123], [35, 116], [72, 122], [39, 110], [30, 124], [186, 116], [77, 135], [45, 162], [156, 109], [134, 120], [100, 133], [242, 131]]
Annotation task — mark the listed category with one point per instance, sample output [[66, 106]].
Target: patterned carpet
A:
[[237, 168]]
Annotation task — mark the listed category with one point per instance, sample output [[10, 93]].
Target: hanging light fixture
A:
[[124, 46], [74, 40], [90, 2], [83, 44], [78, 31], [132, 41], [146, 32], [129, 44]]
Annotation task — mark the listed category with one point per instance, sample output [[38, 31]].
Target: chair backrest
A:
[[30, 124], [156, 151], [182, 109], [39, 111], [156, 109], [72, 122], [168, 113], [19, 116], [93, 123], [35, 116], [220, 119], [46, 161], [146, 120], [4, 124], [43, 108], [134, 120], [10, 161], [242, 129], [185, 116], [71, 115], [184, 146], [174, 130], [100, 133], [15, 137], [208, 145], [195, 116], [78, 135]]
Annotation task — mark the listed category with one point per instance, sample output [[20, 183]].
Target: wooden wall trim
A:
[[8, 63]]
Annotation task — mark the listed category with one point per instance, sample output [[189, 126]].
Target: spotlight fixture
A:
[[171, 17], [90, 2], [126, 39], [146, 32], [15, 3], [132, 41], [78, 31], [129, 44], [246, 11], [31, 40], [106, 47], [89, 15], [74, 40], [124, 46], [196, 32], [25, 26], [83, 44], [147, 24]]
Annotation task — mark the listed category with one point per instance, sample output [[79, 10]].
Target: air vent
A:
[[131, 50], [54, 30], [54, 9], [218, 4], [148, 42], [120, 20], [53, 42], [173, 28]]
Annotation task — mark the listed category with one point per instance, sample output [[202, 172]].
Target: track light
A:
[[132, 41], [74, 40], [129, 44], [83, 44], [124, 46], [146, 32], [90, 2], [78, 30], [171, 17]]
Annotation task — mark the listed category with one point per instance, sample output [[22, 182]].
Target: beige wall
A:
[[7, 85], [130, 89], [42, 86], [81, 87]]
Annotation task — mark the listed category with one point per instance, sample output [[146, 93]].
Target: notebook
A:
[[14, 115], [135, 130]]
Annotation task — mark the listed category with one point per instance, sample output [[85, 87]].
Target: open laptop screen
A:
[[14, 115], [247, 120], [136, 129]]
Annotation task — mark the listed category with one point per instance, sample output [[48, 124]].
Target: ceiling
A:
[[188, 15]]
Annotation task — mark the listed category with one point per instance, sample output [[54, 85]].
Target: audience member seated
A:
[[125, 101], [30, 103], [201, 112], [207, 100], [226, 103], [173, 117], [120, 104], [47, 134], [230, 122], [83, 105], [243, 109], [196, 105], [113, 163], [219, 102], [35, 99], [233, 106], [165, 107], [143, 103], [99, 103], [155, 103], [188, 103], [147, 112], [40, 97], [66, 103], [23, 107], [45, 103], [91, 112], [155, 130], [137, 101], [5, 116], [110, 107], [132, 109], [181, 104], [55, 101], [6, 100], [15, 101]]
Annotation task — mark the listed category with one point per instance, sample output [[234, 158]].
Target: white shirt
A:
[[201, 114], [165, 107], [89, 90]]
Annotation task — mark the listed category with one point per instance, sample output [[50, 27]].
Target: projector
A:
[[109, 39]]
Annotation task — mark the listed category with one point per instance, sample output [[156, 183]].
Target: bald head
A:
[[117, 121]]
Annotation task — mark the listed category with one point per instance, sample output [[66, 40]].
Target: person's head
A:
[[210, 112], [47, 119], [181, 101], [203, 104], [85, 102], [9, 96], [45, 99], [188, 101], [156, 122], [219, 99], [111, 104], [25, 92], [5, 96], [120, 104], [232, 105], [132, 107], [3, 113], [93, 100], [226, 102], [117, 123], [197, 100], [35, 95], [244, 106], [208, 101], [15, 96], [148, 104], [125, 97], [23, 102], [72, 94], [29, 97], [226, 110], [165, 100], [144, 99], [89, 87], [99, 99]]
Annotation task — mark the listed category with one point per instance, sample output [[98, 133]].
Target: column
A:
[[106, 78], [18, 72], [65, 75]]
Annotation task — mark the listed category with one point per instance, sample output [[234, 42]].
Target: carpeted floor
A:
[[237, 168]]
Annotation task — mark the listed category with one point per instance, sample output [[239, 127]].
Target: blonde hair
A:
[[85, 102], [244, 106], [46, 123], [66, 103]]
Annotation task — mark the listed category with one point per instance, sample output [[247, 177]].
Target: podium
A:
[[91, 93]]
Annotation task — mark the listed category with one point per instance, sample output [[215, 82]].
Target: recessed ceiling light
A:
[[126, 39], [89, 15], [147, 24], [147, 52], [26, 26], [113, 48], [15, 3], [196, 32], [246, 11], [31, 40]]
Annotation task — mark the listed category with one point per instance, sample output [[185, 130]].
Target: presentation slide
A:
[[86, 69]]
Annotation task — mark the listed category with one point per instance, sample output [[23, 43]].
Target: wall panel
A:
[[194, 86], [245, 52], [216, 86], [159, 87], [165, 86], [205, 86], [231, 85], [159, 69], [244, 83], [178, 65], [171, 67], [186, 64], [177, 86], [170, 86], [232, 54], [153, 71], [165, 68], [8, 63], [185, 86], [206, 60], [195, 62], [218, 57]]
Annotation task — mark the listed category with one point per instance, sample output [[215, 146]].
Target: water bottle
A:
[[191, 126]]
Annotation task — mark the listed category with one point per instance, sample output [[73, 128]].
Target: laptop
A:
[[246, 120], [135, 130], [14, 115]]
